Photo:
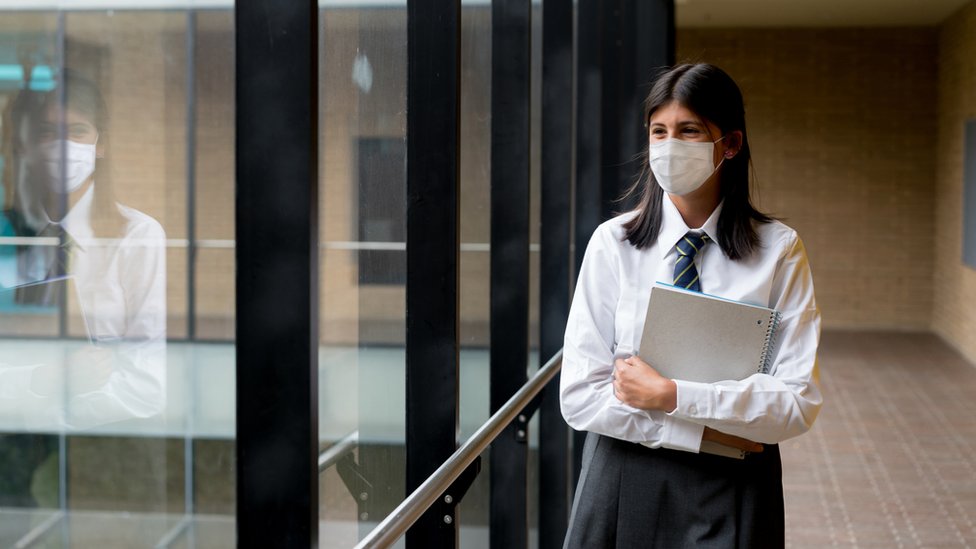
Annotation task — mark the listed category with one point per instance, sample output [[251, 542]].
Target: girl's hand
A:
[[639, 385]]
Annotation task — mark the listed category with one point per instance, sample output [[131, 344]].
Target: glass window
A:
[[475, 258], [362, 228], [116, 427]]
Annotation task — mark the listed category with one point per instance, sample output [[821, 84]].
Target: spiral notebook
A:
[[700, 337]]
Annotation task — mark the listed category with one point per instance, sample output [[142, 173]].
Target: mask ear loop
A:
[[729, 153]]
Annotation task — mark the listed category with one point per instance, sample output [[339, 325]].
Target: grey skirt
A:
[[631, 496]]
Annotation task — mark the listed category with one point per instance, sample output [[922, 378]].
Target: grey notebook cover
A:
[[698, 337]]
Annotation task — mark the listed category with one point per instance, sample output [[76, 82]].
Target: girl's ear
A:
[[733, 143]]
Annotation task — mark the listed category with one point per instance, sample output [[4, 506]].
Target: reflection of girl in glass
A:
[[113, 254], [645, 482]]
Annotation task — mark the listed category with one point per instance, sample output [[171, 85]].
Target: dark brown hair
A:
[[710, 93], [81, 95]]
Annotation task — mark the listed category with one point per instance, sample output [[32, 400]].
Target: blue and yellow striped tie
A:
[[685, 273]]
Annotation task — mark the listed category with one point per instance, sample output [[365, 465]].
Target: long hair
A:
[[81, 95], [710, 93]]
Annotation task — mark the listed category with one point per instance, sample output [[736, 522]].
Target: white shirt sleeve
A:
[[772, 407], [586, 391]]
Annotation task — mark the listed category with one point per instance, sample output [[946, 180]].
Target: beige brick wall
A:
[[954, 316], [842, 126]]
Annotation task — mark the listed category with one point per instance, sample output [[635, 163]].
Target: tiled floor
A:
[[891, 461]]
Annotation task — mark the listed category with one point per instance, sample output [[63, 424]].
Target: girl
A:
[[643, 482], [114, 256]]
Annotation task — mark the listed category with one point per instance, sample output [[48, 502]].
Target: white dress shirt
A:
[[606, 321], [120, 287]]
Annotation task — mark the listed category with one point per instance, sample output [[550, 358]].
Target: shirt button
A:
[[692, 409]]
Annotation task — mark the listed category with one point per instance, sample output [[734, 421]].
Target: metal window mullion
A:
[[555, 481], [63, 165], [589, 95], [64, 487], [433, 160], [191, 175], [654, 48], [189, 478], [643, 35], [614, 55], [276, 209], [509, 263]]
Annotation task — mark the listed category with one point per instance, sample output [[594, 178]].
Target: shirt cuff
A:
[[694, 400], [679, 434]]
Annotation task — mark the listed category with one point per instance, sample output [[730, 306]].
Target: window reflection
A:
[[84, 248], [115, 124]]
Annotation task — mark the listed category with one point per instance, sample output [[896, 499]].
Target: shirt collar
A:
[[673, 226]]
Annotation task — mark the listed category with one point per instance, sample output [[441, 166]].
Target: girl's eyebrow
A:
[[681, 123]]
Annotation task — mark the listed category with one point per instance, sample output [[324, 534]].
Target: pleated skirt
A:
[[631, 496]]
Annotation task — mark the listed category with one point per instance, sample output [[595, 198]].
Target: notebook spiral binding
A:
[[769, 344]]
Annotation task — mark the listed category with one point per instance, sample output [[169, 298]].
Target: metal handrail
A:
[[334, 453], [403, 517]]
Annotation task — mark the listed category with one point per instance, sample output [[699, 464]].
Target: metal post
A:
[[510, 74], [555, 481], [433, 160], [641, 33], [277, 272], [589, 95], [654, 47], [614, 52]]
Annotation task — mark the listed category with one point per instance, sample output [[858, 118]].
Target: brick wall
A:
[[842, 128], [954, 316]]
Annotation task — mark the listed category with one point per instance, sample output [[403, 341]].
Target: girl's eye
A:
[[690, 131]]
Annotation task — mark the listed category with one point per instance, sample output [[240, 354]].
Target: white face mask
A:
[[79, 163], [681, 167]]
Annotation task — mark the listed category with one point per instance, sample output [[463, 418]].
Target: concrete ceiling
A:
[[814, 13]]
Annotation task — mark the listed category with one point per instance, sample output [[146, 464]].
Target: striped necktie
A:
[[685, 273]]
